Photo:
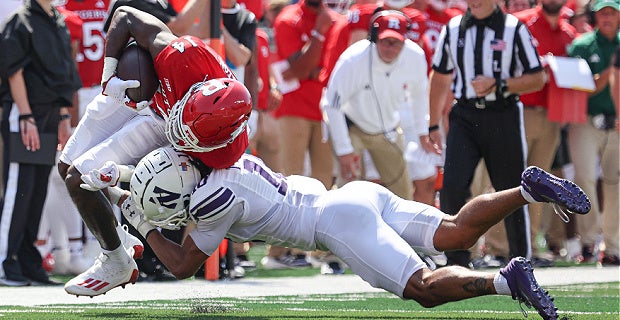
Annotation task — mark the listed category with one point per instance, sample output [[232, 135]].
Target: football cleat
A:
[[105, 275], [132, 244], [525, 289], [565, 195]]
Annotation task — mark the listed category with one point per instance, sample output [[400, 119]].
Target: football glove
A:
[[135, 217], [115, 89], [97, 179], [253, 124]]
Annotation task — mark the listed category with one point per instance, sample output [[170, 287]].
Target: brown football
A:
[[136, 64]]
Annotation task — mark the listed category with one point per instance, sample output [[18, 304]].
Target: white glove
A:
[[115, 89], [135, 217], [97, 179], [253, 124]]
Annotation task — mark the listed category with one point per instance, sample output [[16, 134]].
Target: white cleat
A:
[[105, 275], [132, 244]]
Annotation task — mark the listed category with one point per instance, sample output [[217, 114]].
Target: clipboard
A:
[[285, 86], [46, 155], [571, 73]]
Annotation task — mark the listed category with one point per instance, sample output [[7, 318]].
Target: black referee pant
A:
[[25, 193], [495, 134]]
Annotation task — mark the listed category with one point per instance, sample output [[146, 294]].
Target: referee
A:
[[487, 58]]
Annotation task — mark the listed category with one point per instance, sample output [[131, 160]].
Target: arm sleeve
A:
[[217, 210], [337, 93]]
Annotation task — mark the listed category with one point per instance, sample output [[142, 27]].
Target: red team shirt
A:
[[184, 62], [292, 31], [90, 59], [546, 40], [263, 54], [435, 20]]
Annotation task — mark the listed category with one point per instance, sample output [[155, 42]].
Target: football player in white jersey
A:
[[371, 229]]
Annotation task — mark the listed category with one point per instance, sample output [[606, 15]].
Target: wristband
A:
[[65, 117], [25, 116], [433, 128], [317, 35], [109, 68]]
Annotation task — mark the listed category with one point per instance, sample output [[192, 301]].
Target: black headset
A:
[[374, 25]]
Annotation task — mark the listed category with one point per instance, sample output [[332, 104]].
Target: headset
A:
[[374, 25]]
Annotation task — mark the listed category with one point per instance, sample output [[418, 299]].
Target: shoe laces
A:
[[562, 212], [523, 301]]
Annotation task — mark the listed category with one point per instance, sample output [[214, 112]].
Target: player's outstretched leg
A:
[[541, 186], [524, 288]]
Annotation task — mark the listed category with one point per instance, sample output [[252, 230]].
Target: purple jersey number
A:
[[275, 179]]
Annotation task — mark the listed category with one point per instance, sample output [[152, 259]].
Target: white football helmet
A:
[[397, 4], [161, 186]]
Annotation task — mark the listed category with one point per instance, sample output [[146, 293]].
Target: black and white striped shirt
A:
[[505, 50]]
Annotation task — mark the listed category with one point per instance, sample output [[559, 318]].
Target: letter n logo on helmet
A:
[[164, 198]]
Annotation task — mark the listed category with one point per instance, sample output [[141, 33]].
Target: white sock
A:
[[501, 285], [75, 246], [118, 254], [527, 196]]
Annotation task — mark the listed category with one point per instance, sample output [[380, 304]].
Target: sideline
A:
[[253, 287]]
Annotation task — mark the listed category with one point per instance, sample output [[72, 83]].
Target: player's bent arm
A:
[[149, 32], [182, 260]]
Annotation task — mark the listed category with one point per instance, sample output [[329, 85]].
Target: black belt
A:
[[482, 104]]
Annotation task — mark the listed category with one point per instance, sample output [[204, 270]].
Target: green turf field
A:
[[576, 302]]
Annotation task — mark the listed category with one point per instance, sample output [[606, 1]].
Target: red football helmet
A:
[[210, 115]]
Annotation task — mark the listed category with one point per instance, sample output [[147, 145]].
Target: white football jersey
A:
[[371, 229], [248, 202]]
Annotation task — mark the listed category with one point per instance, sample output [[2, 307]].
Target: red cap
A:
[[391, 24]]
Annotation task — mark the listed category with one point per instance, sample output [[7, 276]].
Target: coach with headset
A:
[[370, 82], [488, 59]]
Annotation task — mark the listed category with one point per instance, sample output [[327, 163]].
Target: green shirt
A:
[[597, 51]]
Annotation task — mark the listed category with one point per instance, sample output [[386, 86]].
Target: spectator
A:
[[514, 6], [595, 143], [487, 103], [39, 79], [300, 31], [437, 15], [362, 107]]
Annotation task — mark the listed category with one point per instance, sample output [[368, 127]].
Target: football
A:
[[136, 64]]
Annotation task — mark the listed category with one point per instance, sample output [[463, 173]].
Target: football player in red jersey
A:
[[115, 128]]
